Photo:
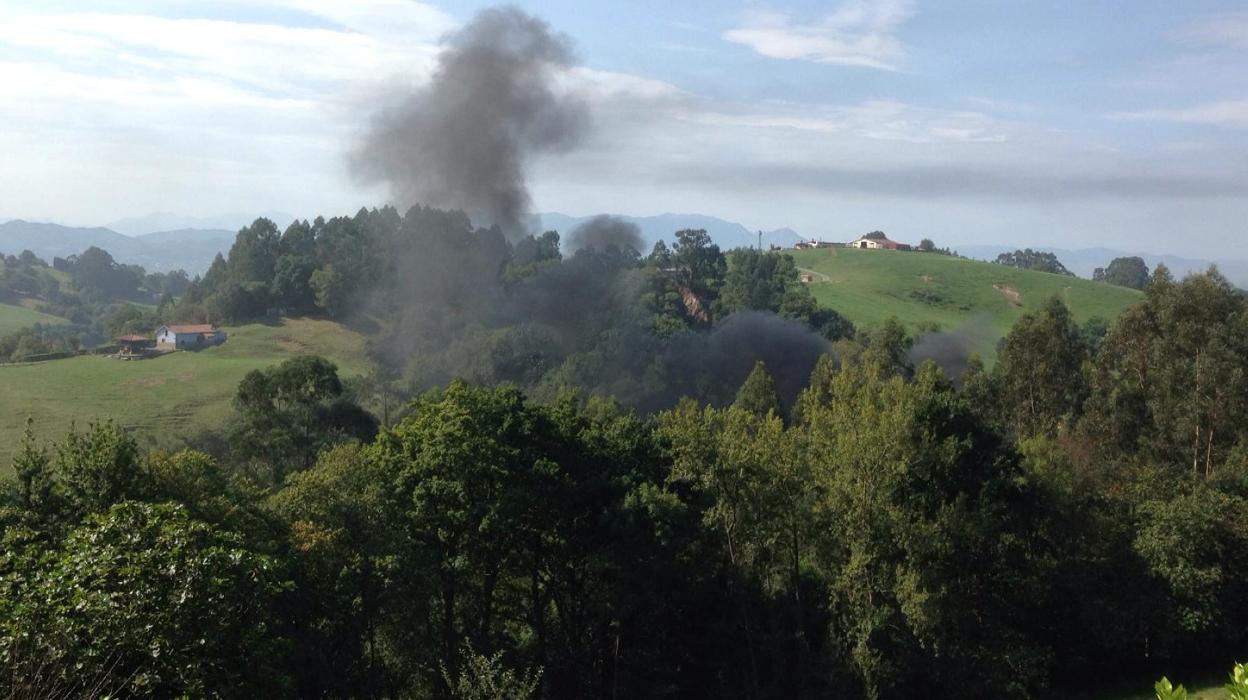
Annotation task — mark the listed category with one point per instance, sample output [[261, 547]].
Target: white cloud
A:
[[880, 120], [1226, 113], [858, 33]]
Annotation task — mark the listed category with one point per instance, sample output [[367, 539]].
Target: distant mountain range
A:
[[1084, 261], [726, 234], [168, 221], [187, 249]]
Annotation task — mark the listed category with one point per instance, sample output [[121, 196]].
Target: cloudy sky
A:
[[1070, 124]]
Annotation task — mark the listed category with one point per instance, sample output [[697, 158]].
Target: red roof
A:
[[194, 328]]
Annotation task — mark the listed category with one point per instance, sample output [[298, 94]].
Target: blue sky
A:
[[1068, 124]]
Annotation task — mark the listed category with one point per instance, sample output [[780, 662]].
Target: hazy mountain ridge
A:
[[726, 234], [163, 221], [187, 249]]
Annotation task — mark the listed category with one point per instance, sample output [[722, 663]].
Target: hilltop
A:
[[980, 299]]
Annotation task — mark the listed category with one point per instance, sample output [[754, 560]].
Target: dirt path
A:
[[803, 273], [1010, 293]]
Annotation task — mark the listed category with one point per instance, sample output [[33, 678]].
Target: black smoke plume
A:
[[951, 350], [603, 232], [711, 366], [465, 140]]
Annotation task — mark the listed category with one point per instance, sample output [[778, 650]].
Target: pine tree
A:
[[758, 394]]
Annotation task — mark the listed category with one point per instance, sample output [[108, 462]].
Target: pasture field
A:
[[981, 299], [14, 318], [163, 400]]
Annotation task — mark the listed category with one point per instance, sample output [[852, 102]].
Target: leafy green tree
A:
[[99, 468], [139, 601], [288, 413], [1029, 259], [926, 588], [1125, 272], [886, 348], [757, 394], [254, 254], [345, 528], [486, 678], [330, 289], [292, 282], [35, 477], [700, 261], [1039, 374], [1171, 377]]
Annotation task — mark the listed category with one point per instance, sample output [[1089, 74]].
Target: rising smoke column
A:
[[464, 141]]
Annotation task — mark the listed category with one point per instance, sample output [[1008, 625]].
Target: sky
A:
[[1030, 123]]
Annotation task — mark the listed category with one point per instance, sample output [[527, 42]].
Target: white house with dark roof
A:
[[188, 337]]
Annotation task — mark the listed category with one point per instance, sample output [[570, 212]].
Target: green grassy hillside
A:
[[165, 399], [14, 318], [870, 286]]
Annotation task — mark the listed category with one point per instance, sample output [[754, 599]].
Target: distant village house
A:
[[188, 337]]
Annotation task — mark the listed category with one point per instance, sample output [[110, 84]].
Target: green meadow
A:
[[14, 318], [167, 399], [921, 289]]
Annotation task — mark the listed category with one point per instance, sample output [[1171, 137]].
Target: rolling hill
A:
[[14, 317], [163, 400], [978, 300]]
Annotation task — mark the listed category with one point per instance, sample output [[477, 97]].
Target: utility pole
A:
[[760, 240]]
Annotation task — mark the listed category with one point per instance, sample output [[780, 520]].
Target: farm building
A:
[[130, 346], [870, 242], [188, 337], [812, 244]]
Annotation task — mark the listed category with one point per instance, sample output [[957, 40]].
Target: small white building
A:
[[875, 243], [188, 337]]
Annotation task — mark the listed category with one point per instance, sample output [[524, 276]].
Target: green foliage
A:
[[1237, 688], [98, 468], [1039, 261], [142, 601], [1125, 272], [1039, 374], [758, 394], [485, 678], [288, 413], [1166, 691], [1171, 378]]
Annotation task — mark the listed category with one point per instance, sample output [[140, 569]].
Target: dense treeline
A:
[[1073, 515], [1038, 260], [442, 299]]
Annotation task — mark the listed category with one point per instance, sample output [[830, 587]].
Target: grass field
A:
[[14, 318], [983, 299], [166, 399]]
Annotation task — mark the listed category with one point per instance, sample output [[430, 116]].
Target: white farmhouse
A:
[[188, 337]]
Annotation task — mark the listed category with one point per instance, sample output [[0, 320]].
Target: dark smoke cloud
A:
[[464, 141], [712, 366], [604, 231], [951, 350]]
